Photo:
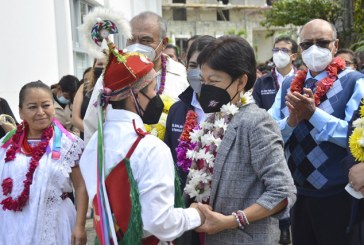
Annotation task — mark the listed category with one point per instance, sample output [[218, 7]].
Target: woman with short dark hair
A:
[[241, 151]]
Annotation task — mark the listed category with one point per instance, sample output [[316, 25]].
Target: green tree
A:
[[358, 26], [298, 12], [240, 32]]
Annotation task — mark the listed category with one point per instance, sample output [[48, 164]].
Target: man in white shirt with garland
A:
[[149, 36]]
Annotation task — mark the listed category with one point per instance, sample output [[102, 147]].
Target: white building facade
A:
[[40, 40]]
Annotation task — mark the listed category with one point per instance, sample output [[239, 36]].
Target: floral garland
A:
[[163, 74], [198, 145], [336, 66], [37, 152], [356, 139]]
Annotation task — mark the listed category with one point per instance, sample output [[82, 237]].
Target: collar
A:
[[186, 96], [172, 67], [119, 115], [280, 77], [194, 102], [198, 109], [319, 76]]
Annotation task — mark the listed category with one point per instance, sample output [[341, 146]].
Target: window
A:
[[179, 14], [223, 15], [179, 1], [81, 59]]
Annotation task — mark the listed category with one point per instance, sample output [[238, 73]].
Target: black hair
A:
[[33, 85], [350, 53], [69, 84], [198, 45], [230, 54], [287, 39], [173, 47]]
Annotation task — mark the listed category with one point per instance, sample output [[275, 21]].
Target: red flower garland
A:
[[190, 124], [336, 66], [7, 186], [163, 74], [18, 203]]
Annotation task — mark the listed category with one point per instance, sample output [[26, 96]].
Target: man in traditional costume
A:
[[313, 109], [133, 183]]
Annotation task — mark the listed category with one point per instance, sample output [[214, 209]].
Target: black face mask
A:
[[154, 110], [97, 72], [213, 98]]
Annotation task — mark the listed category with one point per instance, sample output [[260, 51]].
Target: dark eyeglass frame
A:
[[319, 43], [284, 50]]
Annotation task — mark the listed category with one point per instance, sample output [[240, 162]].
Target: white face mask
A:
[[281, 59], [144, 49], [317, 58], [193, 77]]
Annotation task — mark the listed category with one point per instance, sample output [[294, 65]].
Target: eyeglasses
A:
[[348, 63], [319, 43], [284, 50]]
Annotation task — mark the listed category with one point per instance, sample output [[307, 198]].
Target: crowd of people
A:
[[249, 154]]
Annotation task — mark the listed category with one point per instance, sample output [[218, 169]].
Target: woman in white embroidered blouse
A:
[[38, 166]]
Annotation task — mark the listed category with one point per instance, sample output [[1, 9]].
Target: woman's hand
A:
[[215, 222], [79, 236]]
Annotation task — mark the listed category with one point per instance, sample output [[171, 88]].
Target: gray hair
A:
[[147, 16]]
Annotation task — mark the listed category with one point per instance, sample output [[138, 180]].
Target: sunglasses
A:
[[284, 50], [319, 43]]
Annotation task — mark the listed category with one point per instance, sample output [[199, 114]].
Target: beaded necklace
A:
[[163, 74]]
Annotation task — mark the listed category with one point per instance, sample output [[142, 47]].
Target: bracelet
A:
[[238, 220], [245, 219]]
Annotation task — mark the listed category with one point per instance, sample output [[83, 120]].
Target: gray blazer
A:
[[250, 167]]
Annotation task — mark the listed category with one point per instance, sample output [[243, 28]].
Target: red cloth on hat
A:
[[119, 75]]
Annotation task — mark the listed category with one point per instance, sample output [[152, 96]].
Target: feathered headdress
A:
[[98, 25]]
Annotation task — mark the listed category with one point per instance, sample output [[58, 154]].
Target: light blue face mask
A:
[[193, 77], [63, 100]]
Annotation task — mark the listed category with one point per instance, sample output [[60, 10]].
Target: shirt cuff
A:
[[319, 119], [193, 217], [285, 128]]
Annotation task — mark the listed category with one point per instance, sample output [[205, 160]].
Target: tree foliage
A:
[[359, 17], [298, 12]]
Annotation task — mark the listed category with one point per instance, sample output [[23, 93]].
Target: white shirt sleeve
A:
[[90, 118], [156, 188]]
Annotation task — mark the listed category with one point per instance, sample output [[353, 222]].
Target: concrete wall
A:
[[30, 45], [203, 21], [36, 40]]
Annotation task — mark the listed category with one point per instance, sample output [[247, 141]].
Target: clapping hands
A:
[[300, 106]]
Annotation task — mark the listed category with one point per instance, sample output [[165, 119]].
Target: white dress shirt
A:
[[280, 77], [153, 170]]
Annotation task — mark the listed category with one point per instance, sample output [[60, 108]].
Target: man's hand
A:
[[301, 107], [356, 177], [202, 216]]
